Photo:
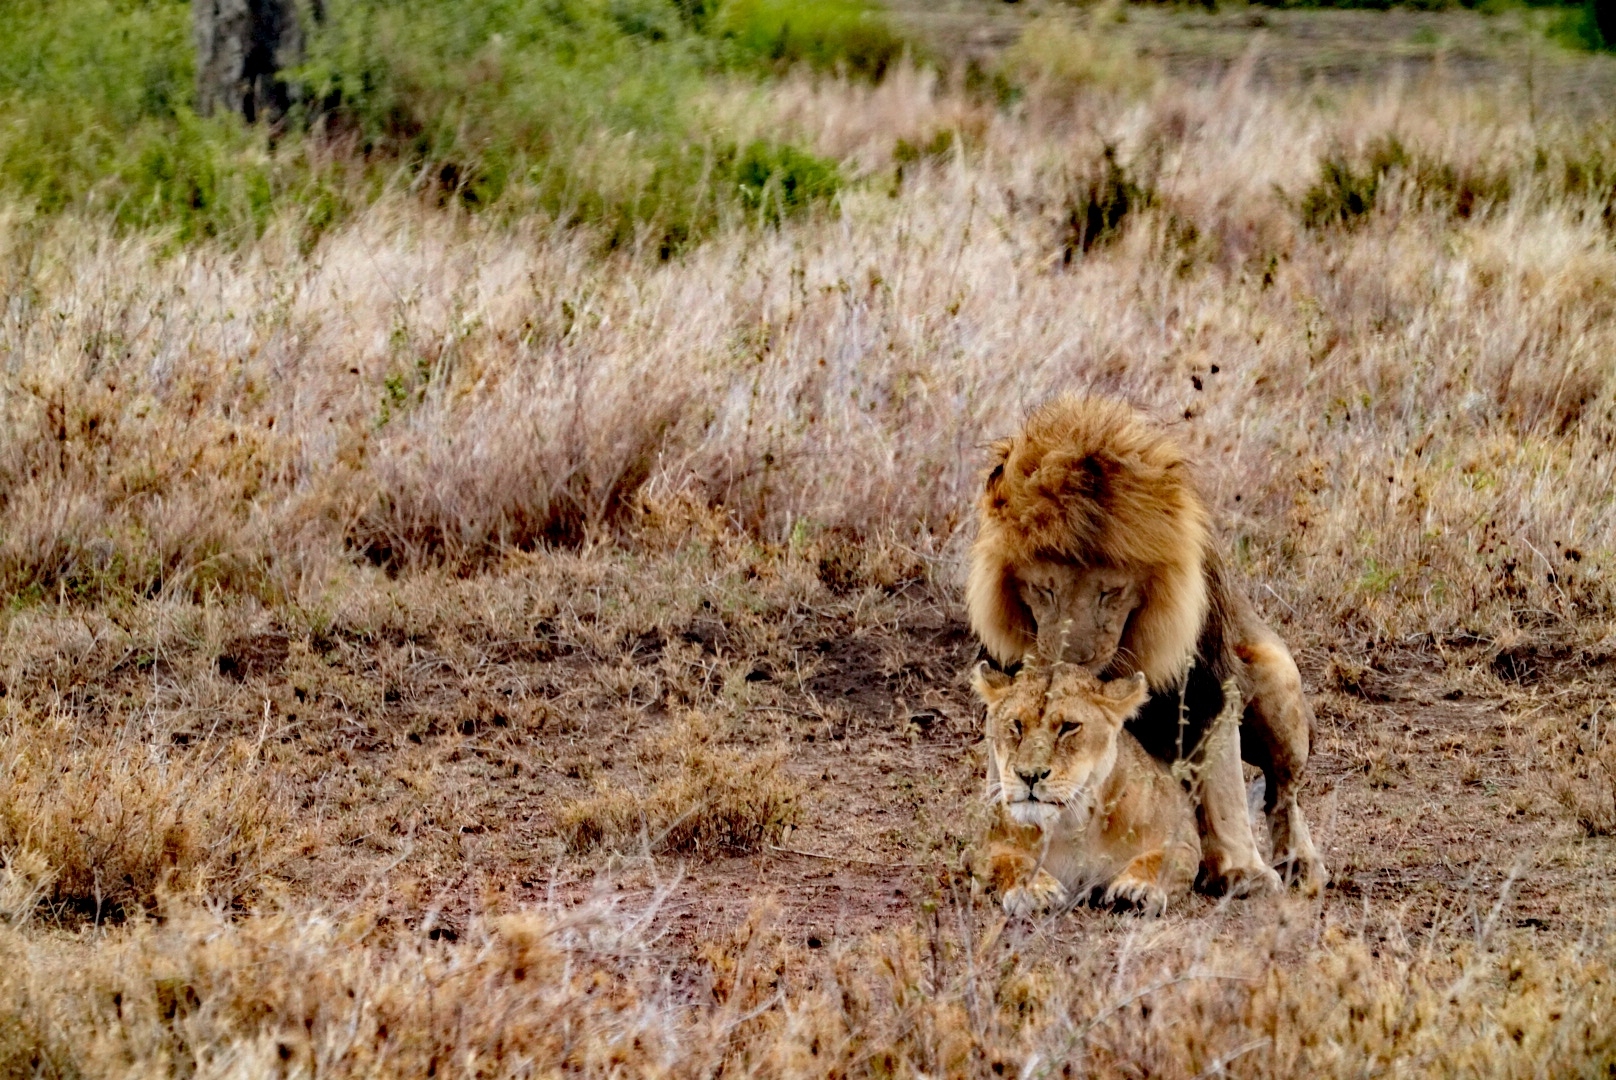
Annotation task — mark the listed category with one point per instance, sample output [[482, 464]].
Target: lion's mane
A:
[[1092, 481]]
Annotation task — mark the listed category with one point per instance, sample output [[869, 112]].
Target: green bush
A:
[[1348, 187], [778, 180], [848, 35], [1099, 206], [95, 97], [585, 110], [1590, 25], [1346, 190]]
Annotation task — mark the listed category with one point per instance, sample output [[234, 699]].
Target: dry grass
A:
[[425, 642], [1414, 414], [105, 827], [586, 992], [697, 799]]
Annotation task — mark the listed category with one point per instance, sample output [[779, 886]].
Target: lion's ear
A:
[[1127, 694], [990, 684], [999, 454]]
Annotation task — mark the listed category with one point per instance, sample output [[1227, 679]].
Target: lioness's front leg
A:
[[1010, 868], [1139, 885]]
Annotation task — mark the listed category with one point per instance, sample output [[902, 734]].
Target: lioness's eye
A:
[[1067, 727]]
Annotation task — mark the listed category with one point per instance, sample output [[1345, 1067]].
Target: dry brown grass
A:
[[425, 644], [696, 799], [1414, 414], [102, 827], [586, 992]]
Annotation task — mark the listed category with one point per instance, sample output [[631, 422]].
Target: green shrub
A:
[[1099, 205], [95, 95], [778, 180], [1590, 26], [1348, 187], [849, 35], [1346, 190], [585, 110]]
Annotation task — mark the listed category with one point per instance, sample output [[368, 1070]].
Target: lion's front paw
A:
[[1137, 894], [1309, 874], [1256, 880], [1040, 893]]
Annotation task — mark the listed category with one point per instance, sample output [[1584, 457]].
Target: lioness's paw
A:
[[1144, 897], [1040, 893]]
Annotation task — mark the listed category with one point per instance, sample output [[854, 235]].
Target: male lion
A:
[[1095, 547], [1083, 810]]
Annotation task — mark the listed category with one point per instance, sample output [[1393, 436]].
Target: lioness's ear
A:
[[1129, 693], [990, 684]]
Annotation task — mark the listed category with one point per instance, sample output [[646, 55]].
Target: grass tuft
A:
[[699, 799], [850, 36], [1100, 205], [100, 830]]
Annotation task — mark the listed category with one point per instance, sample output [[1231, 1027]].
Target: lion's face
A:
[[1080, 611], [1054, 736]]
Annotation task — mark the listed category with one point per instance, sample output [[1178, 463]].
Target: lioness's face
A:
[[1054, 737], [1081, 611]]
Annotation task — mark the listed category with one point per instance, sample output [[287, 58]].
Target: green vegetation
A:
[[586, 110], [1098, 206], [1349, 185], [827, 35], [1590, 25], [95, 95]]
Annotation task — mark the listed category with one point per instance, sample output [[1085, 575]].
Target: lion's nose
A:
[[1030, 777]]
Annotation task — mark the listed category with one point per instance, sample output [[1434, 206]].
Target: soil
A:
[[1428, 792]]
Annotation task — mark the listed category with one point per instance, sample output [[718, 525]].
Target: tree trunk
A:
[[241, 48], [1605, 18]]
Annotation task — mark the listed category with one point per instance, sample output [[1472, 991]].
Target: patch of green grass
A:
[[1348, 187], [94, 96], [584, 110], [1589, 26], [777, 179], [846, 35]]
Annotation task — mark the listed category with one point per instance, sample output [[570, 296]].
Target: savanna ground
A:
[[477, 643]]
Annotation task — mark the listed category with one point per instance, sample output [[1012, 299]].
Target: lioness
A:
[[1095, 547], [1083, 811]]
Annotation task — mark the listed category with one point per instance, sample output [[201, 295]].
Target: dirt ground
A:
[[441, 749]]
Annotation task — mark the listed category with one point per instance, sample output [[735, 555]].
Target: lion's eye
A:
[[1067, 727], [1109, 596], [1015, 728]]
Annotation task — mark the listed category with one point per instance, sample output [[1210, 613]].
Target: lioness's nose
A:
[[1031, 777]]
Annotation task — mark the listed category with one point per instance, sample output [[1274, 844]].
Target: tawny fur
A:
[[1092, 491], [1092, 480], [1104, 819]]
